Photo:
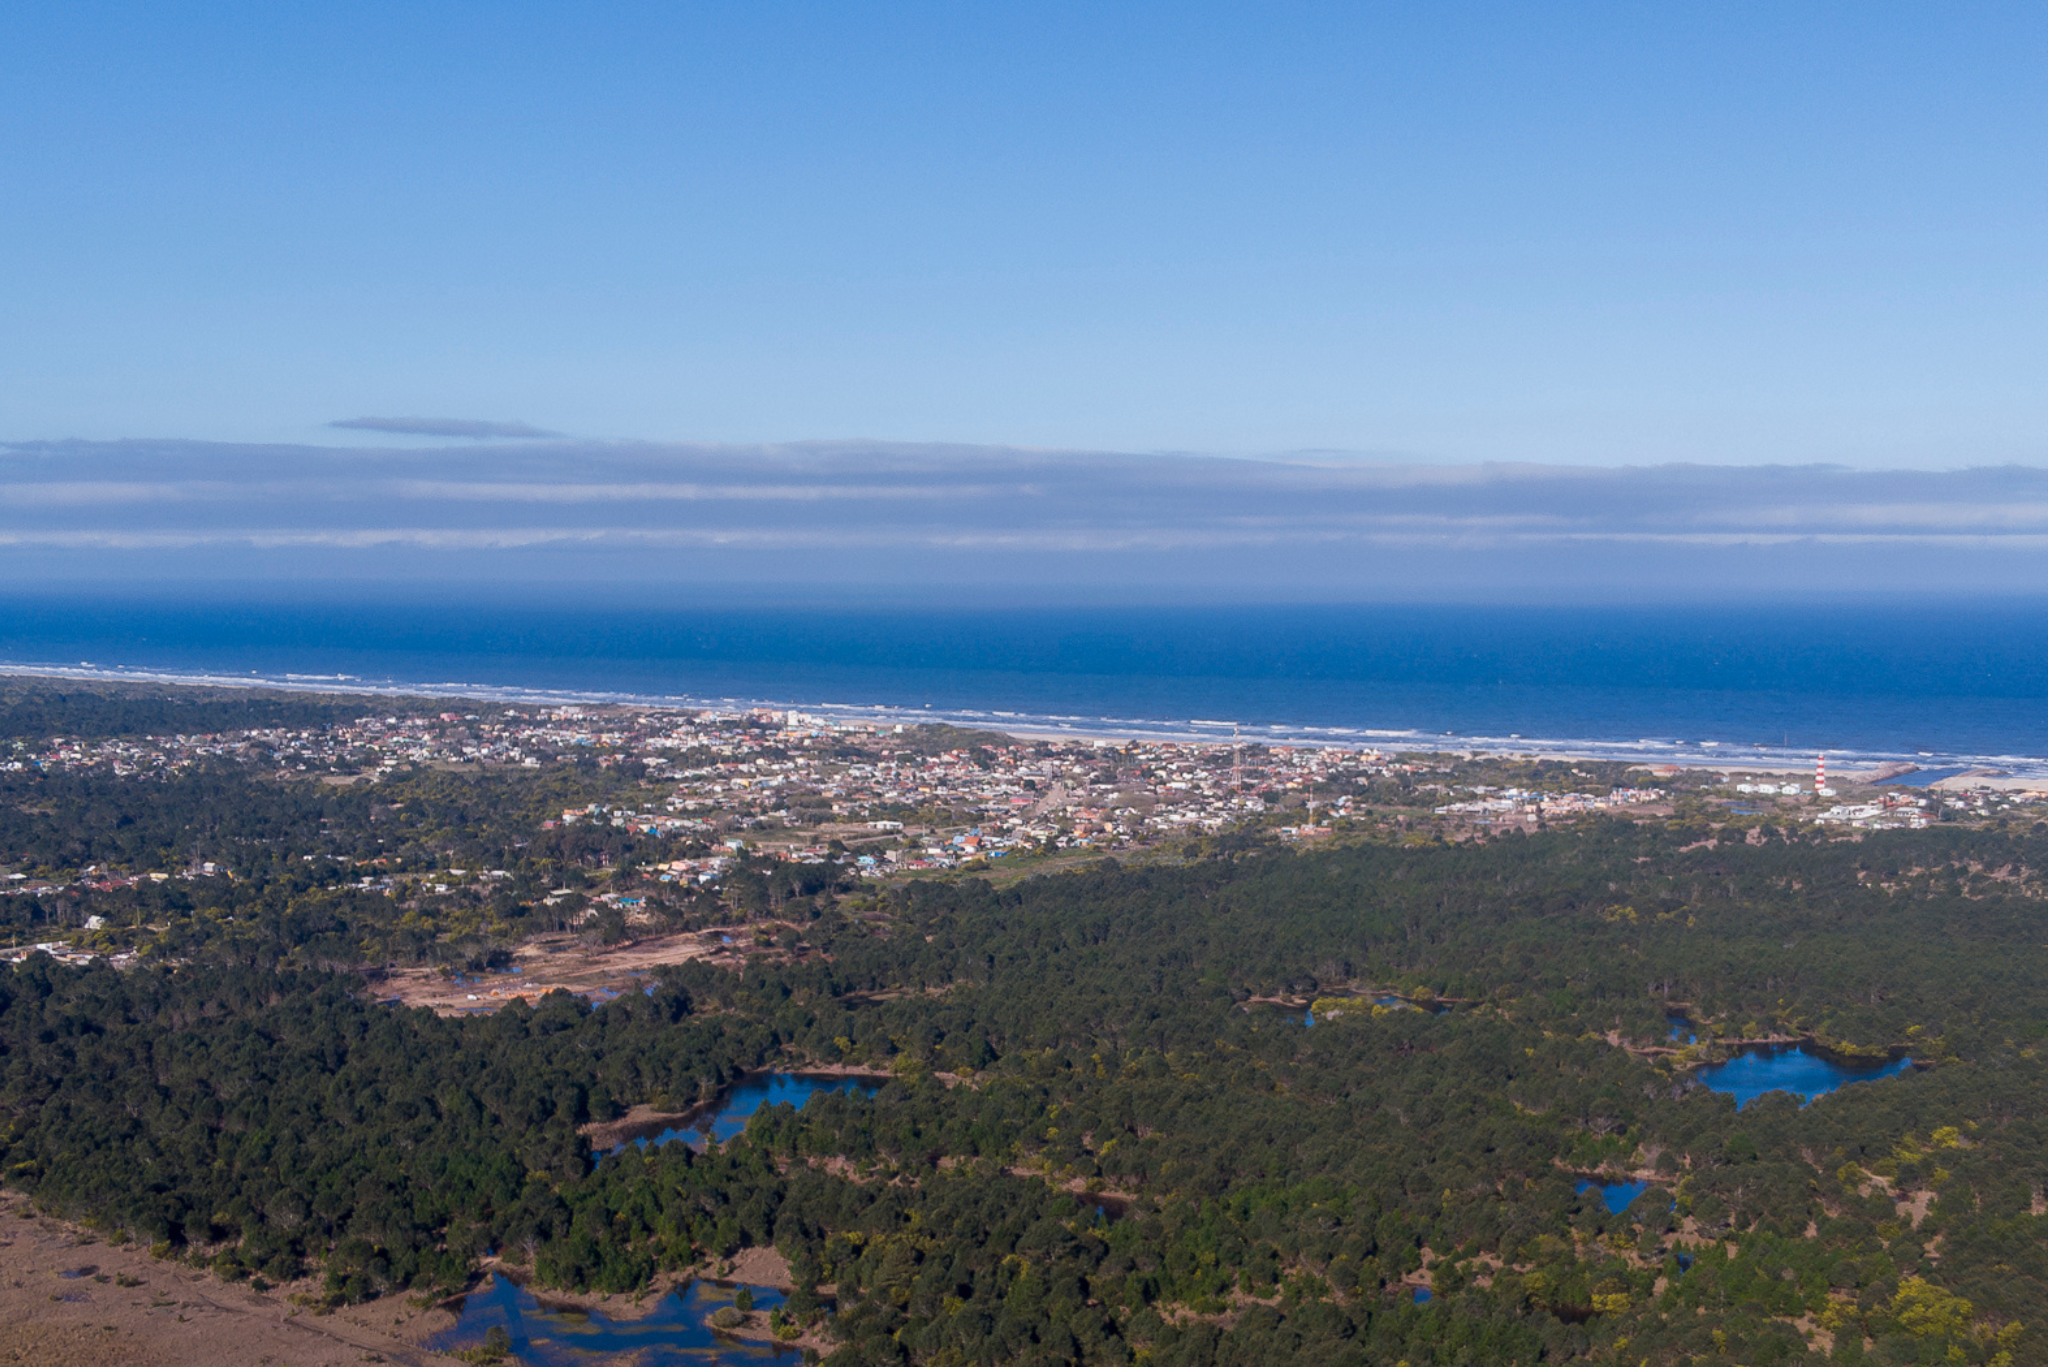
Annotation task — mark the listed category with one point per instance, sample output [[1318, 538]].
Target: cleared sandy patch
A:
[[761, 1267], [640, 1120], [122, 1306], [552, 962]]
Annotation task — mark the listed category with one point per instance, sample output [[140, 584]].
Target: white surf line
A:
[[1728, 756]]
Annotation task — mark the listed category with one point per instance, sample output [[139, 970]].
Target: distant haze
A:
[[852, 520], [441, 427]]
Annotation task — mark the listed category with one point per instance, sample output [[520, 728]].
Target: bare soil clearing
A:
[[640, 1120], [551, 962], [119, 1305]]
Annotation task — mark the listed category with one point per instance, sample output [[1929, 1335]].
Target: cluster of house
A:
[[985, 801], [631, 820], [876, 797], [125, 757], [1891, 812], [877, 794], [793, 784], [65, 953], [1523, 804], [370, 745], [94, 879]]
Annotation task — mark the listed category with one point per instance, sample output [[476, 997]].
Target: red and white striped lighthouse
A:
[[1820, 773]]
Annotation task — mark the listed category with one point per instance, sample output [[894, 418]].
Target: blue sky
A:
[[1579, 233]]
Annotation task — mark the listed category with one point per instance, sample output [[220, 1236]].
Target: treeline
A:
[[35, 709], [1278, 1189]]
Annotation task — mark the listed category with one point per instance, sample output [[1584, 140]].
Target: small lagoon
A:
[[1618, 1196], [1791, 1068], [738, 1105], [675, 1332]]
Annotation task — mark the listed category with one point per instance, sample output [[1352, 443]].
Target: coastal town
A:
[[703, 792]]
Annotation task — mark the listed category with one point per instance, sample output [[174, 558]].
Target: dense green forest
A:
[[1279, 1189], [31, 708]]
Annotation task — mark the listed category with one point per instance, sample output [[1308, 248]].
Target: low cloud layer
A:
[[974, 523], [442, 427]]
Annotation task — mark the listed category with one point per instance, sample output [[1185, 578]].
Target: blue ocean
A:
[[1947, 681]]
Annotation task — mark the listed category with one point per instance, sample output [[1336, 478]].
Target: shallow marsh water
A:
[[676, 1332]]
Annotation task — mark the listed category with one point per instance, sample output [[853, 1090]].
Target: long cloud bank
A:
[[969, 522]]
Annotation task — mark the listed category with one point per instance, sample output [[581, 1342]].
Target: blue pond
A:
[[749, 1096], [1793, 1069], [1617, 1195], [1682, 1030], [675, 1332], [1422, 1295]]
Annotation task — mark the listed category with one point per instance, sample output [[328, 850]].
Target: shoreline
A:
[[2023, 772]]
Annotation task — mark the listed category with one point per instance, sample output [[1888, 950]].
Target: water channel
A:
[[677, 1331]]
